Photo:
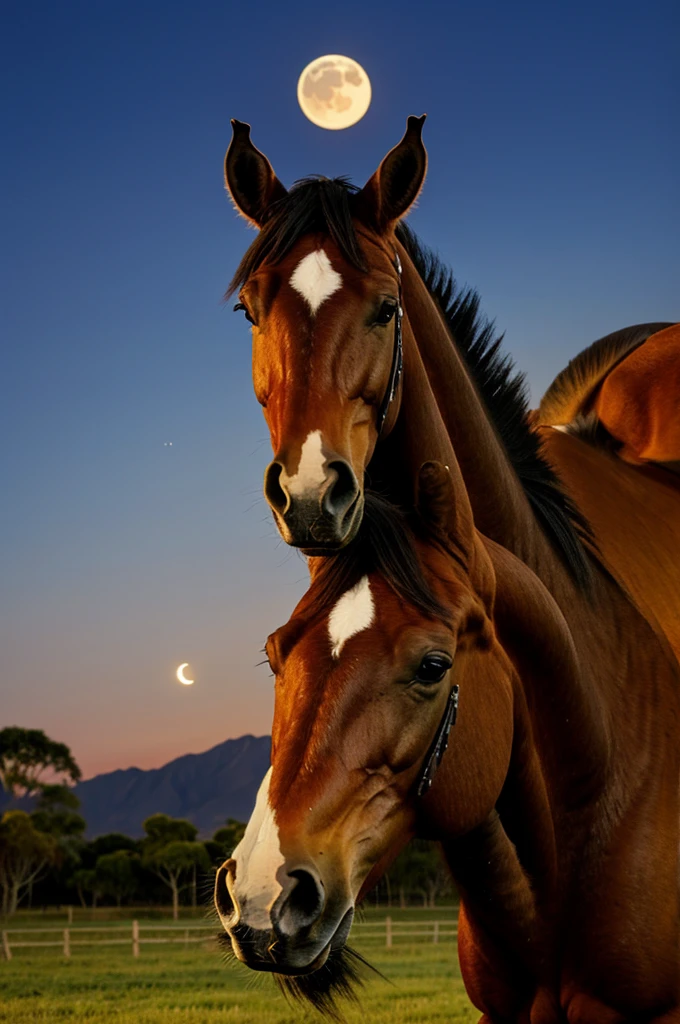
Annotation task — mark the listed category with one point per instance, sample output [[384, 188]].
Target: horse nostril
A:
[[342, 491], [305, 902], [223, 901], [278, 498]]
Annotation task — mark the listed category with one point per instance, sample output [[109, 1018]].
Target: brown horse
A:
[[556, 804], [324, 287], [325, 292], [335, 286], [325, 284], [618, 403]]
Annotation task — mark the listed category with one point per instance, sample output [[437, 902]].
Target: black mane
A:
[[324, 206], [504, 392]]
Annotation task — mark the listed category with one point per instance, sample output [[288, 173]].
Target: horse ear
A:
[[446, 514], [250, 177], [395, 186], [436, 498]]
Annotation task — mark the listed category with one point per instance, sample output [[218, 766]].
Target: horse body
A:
[[607, 752], [634, 512], [557, 802], [616, 413]]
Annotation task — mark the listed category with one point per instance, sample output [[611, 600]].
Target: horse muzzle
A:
[[295, 936], [321, 518]]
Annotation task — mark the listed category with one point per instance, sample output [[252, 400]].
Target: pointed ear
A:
[[250, 177], [445, 512], [436, 498], [395, 186]]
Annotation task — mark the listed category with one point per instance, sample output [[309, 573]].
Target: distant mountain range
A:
[[205, 788]]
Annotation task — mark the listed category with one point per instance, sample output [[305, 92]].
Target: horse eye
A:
[[239, 305], [385, 313], [433, 668]]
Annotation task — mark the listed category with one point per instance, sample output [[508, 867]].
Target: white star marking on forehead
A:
[[352, 613], [315, 279]]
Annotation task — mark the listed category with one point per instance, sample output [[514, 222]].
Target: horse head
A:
[[390, 628], [321, 286]]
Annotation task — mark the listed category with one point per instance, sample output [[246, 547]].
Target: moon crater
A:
[[334, 91]]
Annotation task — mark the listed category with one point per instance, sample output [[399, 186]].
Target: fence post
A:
[[67, 943], [5, 946], [388, 932], [69, 911], [435, 937], [135, 938]]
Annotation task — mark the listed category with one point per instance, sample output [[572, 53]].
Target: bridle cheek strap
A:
[[397, 358], [437, 750], [441, 741]]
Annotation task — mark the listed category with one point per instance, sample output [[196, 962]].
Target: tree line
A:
[[46, 860]]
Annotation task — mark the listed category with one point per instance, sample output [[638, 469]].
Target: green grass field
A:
[[177, 985]]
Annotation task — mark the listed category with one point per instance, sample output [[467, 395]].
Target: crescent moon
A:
[[180, 674]]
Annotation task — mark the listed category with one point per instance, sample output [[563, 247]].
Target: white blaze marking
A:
[[311, 471], [258, 858], [353, 612], [315, 279]]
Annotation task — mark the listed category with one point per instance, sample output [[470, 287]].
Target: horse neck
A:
[[511, 868], [500, 507], [418, 435]]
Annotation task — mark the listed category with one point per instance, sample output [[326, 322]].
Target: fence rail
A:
[[392, 930], [134, 937]]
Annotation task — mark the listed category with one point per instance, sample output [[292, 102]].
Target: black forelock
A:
[[385, 545], [314, 205]]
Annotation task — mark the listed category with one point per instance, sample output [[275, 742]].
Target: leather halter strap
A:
[[397, 358], [434, 756]]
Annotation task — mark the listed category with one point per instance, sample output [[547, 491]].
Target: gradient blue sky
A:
[[553, 188]]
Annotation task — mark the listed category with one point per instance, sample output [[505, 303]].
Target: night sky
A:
[[553, 189]]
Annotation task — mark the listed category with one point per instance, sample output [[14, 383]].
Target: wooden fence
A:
[[393, 930], [124, 935], [134, 937]]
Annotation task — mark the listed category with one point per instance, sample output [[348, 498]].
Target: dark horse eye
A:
[[433, 668], [239, 305], [385, 313]]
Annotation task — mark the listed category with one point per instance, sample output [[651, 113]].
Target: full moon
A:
[[180, 674], [334, 92]]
